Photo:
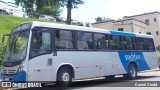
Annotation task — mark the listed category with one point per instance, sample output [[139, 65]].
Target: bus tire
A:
[[64, 77], [43, 84], [132, 72], [110, 78]]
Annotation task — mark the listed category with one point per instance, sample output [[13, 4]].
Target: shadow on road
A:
[[117, 82]]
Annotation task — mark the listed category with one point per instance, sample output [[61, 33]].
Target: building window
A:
[[120, 29], [148, 33], [157, 32], [155, 20], [147, 21]]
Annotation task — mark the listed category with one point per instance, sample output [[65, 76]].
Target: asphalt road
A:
[[149, 78]]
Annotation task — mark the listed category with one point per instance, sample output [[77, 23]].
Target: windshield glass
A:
[[16, 47]]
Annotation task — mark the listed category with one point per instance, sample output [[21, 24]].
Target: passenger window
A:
[[41, 43], [149, 44], [100, 41], [84, 41], [107, 41], [139, 43], [128, 43], [116, 42], [64, 39]]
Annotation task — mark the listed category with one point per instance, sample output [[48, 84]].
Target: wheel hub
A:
[[65, 77], [133, 71]]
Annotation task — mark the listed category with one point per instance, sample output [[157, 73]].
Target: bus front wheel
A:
[[132, 72], [64, 77]]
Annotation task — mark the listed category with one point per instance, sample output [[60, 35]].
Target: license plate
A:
[[6, 79]]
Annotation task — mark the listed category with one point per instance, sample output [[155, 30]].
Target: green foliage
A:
[[2, 49], [99, 19], [34, 8], [70, 4]]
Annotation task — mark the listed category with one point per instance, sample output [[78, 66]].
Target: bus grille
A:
[[9, 71]]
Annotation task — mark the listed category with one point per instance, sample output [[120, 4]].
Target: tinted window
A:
[[139, 43], [129, 43], [41, 43], [64, 39], [149, 44], [100, 41], [116, 42], [84, 41]]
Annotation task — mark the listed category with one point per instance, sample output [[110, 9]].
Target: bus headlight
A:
[[22, 65]]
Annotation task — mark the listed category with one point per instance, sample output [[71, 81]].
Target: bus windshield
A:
[[16, 47]]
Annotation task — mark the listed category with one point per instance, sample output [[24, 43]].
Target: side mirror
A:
[[4, 37]]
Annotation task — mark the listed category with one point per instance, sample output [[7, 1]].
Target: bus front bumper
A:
[[18, 77]]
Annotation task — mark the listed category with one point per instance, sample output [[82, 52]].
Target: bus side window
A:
[[113, 42], [100, 42], [41, 43], [120, 43], [85, 41], [107, 41], [149, 44], [129, 43], [139, 43], [64, 39]]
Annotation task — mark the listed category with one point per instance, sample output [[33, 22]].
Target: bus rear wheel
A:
[[132, 72], [64, 77]]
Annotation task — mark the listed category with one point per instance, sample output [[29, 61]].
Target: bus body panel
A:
[[40, 68], [89, 64], [151, 59]]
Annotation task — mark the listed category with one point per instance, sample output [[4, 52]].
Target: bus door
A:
[[41, 53]]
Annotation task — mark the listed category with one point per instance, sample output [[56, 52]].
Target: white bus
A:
[[40, 51]]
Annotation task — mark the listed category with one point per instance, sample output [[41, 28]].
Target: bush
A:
[[2, 49]]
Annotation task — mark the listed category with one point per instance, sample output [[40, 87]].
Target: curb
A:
[[153, 70]]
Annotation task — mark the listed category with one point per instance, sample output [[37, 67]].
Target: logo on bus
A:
[[133, 56]]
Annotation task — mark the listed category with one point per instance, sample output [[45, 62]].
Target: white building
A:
[[128, 25], [152, 21], [11, 8], [147, 23]]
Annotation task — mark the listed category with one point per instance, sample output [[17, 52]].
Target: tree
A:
[[49, 7], [34, 8], [99, 19], [27, 6], [70, 4]]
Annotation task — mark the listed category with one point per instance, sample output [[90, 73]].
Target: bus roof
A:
[[63, 26]]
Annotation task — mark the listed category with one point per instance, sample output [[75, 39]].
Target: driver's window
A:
[[41, 43]]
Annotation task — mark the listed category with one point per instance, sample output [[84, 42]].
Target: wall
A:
[[153, 26]]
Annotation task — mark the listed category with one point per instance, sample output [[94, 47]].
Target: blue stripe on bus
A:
[[121, 33], [137, 57], [18, 77]]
